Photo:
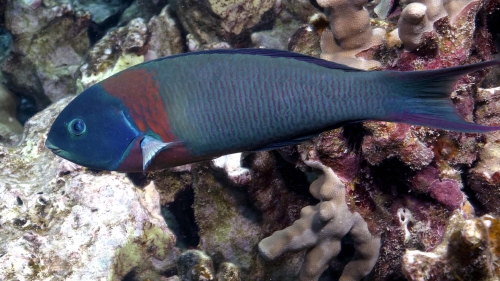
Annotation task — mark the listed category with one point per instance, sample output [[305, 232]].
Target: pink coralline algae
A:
[[386, 140], [447, 192]]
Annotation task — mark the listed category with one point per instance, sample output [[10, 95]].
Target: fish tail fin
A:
[[425, 98]]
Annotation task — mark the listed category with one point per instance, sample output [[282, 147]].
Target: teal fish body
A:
[[197, 106]]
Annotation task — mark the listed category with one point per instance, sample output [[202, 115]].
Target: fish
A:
[[198, 106]]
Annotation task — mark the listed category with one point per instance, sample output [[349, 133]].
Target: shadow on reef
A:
[[179, 216]]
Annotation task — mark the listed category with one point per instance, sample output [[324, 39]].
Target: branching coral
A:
[[422, 23], [321, 229], [413, 23]]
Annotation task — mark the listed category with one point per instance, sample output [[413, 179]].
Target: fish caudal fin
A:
[[425, 98]]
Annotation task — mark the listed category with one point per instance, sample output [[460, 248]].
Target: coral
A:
[[321, 228], [488, 110], [434, 9], [422, 180], [49, 46], [413, 24], [333, 150], [305, 41], [417, 19], [350, 34], [469, 251], [440, 31], [405, 218], [59, 219]]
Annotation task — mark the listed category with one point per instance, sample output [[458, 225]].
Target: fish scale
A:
[[294, 108]]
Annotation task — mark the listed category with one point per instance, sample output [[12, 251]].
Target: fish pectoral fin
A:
[[150, 147]]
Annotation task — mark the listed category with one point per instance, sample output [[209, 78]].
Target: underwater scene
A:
[[234, 140]]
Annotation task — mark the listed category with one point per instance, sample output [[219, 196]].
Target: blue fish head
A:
[[95, 130]]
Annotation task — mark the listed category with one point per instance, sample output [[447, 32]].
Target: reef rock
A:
[[48, 48], [212, 21], [144, 9], [132, 44], [59, 219], [484, 177], [102, 11], [10, 128], [469, 251]]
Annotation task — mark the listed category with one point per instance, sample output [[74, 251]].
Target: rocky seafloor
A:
[[371, 201]]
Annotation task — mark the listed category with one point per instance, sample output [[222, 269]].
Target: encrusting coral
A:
[[322, 228]]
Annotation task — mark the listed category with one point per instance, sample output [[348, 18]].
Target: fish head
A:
[[95, 130]]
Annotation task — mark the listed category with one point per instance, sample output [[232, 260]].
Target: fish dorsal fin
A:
[[268, 53], [150, 147]]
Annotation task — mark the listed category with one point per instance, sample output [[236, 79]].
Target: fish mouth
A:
[[52, 147]]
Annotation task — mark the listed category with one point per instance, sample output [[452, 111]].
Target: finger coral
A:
[[350, 34], [321, 228]]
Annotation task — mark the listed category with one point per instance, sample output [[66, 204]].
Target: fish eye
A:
[[77, 127]]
